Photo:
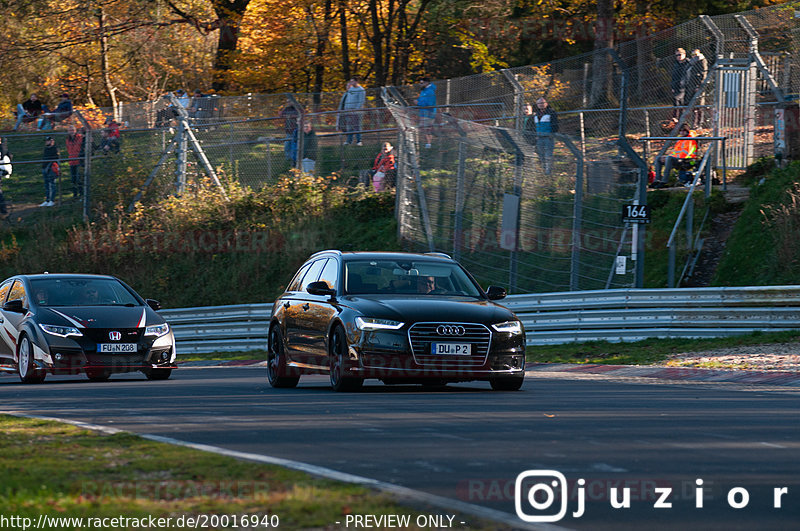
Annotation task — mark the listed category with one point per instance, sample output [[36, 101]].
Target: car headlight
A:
[[61, 331], [156, 330], [509, 327], [369, 323]]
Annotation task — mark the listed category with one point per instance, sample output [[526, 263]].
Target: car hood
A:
[[100, 316], [426, 309]]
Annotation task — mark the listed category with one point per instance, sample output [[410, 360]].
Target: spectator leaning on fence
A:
[[50, 171], [427, 108], [383, 171], [111, 137], [352, 103], [28, 110], [682, 149], [74, 149], [309, 157], [289, 113], [546, 122]]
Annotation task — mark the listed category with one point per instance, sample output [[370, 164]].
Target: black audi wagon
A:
[[397, 317], [70, 324]]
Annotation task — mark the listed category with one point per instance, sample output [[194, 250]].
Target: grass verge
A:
[[225, 356], [82, 474], [648, 351]]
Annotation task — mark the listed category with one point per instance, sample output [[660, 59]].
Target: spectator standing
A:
[[546, 123], [5, 171], [683, 149], [352, 103], [290, 113], [680, 69], [529, 125], [5, 159], [384, 169], [50, 171], [74, 149], [309, 155], [427, 108], [698, 69], [28, 110]]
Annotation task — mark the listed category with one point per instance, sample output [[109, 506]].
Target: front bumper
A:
[[389, 355], [74, 356]]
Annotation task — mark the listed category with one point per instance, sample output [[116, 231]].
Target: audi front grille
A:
[[422, 335]]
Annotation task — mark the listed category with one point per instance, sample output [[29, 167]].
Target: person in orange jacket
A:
[[682, 149]]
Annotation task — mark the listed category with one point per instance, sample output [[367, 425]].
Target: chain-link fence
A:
[[515, 210]]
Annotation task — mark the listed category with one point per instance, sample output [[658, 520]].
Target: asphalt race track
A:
[[468, 443]]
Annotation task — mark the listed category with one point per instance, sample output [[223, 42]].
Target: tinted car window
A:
[[330, 273], [81, 292], [4, 287], [18, 292], [294, 285], [313, 273], [421, 277]]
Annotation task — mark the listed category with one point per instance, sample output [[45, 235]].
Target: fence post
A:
[[458, 230], [87, 162], [671, 267], [180, 167], [689, 222]]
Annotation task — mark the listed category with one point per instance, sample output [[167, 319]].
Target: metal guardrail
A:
[[550, 318]]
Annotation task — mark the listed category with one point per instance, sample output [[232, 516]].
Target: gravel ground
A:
[[769, 357]]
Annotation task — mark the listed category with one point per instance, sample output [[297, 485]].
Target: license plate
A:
[[451, 349], [113, 348]]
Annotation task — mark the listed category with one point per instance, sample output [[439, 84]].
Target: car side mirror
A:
[[320, 288], [495, 293], [154, 304], [14, 306]]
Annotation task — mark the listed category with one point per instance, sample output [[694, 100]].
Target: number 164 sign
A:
[[635, 214]]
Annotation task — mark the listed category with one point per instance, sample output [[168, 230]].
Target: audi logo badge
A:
[[115, 336], [450, 330]]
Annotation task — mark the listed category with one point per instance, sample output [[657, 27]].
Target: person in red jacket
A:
[[384, 168], [74, 147]]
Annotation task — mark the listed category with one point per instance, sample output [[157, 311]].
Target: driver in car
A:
[[426, 284], [91, 296]]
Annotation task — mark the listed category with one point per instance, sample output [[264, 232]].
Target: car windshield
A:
[[81, 292], [417, 277]]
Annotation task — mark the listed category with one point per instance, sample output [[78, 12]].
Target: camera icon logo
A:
[[536, 491]]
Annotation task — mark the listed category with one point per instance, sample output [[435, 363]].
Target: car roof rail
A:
[[334, 251], [443, 255]]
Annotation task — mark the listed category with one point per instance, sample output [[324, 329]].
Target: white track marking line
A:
[[401, 492]]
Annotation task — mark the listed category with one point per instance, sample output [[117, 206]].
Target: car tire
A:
[[338, 358], [276, 361], [28, 372], [508, 383], [98, 375], [158, 374]]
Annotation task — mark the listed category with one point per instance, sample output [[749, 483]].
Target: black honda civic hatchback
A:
[[71, 324], [397, 317]]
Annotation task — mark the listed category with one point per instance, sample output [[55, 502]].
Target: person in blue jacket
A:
[[545, 121], [427, 107]]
